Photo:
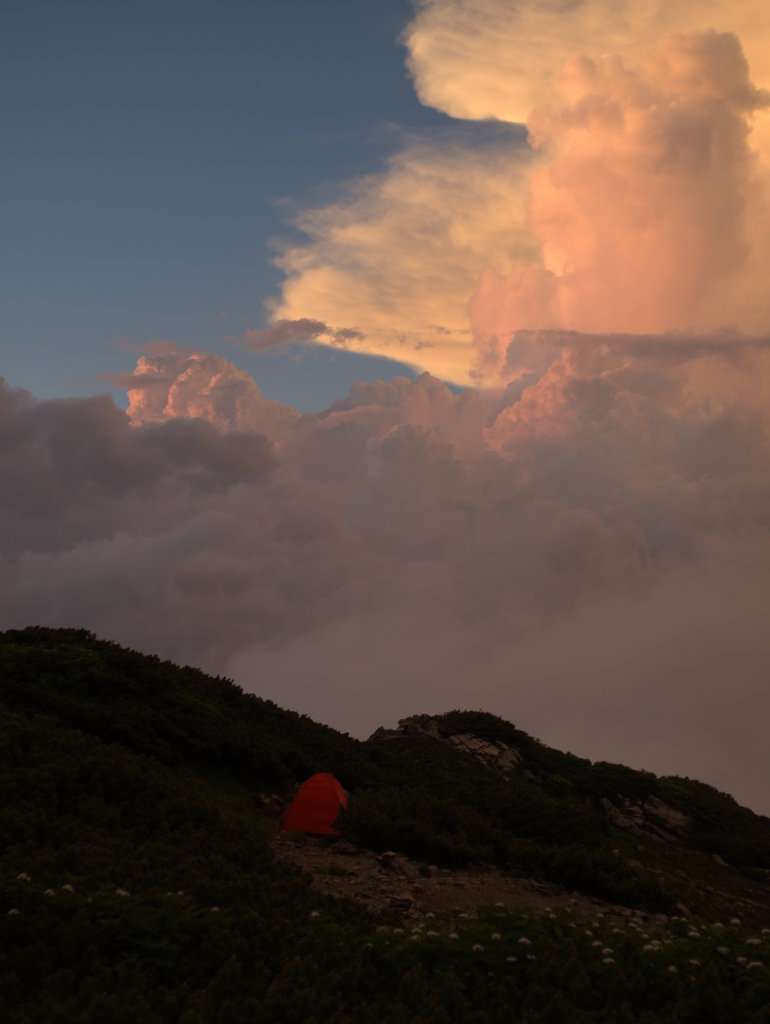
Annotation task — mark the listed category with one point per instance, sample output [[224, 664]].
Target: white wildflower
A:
[[49, 892], [672, 970], [496, 936], [753, 942], [432, 934], [724, 950], [23, 877], [754, 963], [596, 943], [607, 951], [736, 920], [121, 892], [315, 913], [215, 910], [68, 888], [398, 931], [511, 959], [13, 912], [453, 935], [695, 963], [718, 924], [608, 960], [524, 941], [740, 960], [692, 934], [477, 948], [530, 956]]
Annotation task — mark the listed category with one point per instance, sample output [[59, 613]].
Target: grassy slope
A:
[[122, 772]]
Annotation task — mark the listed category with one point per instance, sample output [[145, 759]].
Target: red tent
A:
[[316, 805]]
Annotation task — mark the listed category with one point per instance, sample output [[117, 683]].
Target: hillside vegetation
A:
[[137, 881]]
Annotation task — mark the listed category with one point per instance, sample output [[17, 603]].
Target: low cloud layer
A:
[[586, 551]]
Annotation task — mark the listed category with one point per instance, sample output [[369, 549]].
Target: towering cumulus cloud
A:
[[581, 541]]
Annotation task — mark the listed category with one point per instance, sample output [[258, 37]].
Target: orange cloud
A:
[[483, 59], [397, 259], [650, 206], [670, 216]]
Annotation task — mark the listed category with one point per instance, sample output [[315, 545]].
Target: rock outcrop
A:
[[494, 755], [648, 817]]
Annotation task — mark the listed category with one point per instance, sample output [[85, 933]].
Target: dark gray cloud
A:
[[304, 331]]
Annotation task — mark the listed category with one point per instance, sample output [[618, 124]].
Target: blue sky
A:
[[153, 150]]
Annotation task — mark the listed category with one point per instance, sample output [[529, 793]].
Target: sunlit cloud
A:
[[640, 205], [398, 258], [651, 206], [481, 59]]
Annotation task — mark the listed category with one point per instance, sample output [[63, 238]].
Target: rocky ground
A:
[[390, 881]]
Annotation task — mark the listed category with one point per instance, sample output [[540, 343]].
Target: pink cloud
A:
[[647, 205]]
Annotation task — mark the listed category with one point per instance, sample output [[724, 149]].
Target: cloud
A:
[[284, 333], [175, 382], [584, 552], [397, 258], [481, 59], [649, 204], [640, 205]]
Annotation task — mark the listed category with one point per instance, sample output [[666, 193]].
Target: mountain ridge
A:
[[142, 806]]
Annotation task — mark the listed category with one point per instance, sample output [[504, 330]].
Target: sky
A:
[[391, 358]]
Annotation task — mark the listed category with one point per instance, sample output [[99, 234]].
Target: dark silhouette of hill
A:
[[138, 882]]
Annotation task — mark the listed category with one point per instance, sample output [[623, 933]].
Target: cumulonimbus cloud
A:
[[641, 205]]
